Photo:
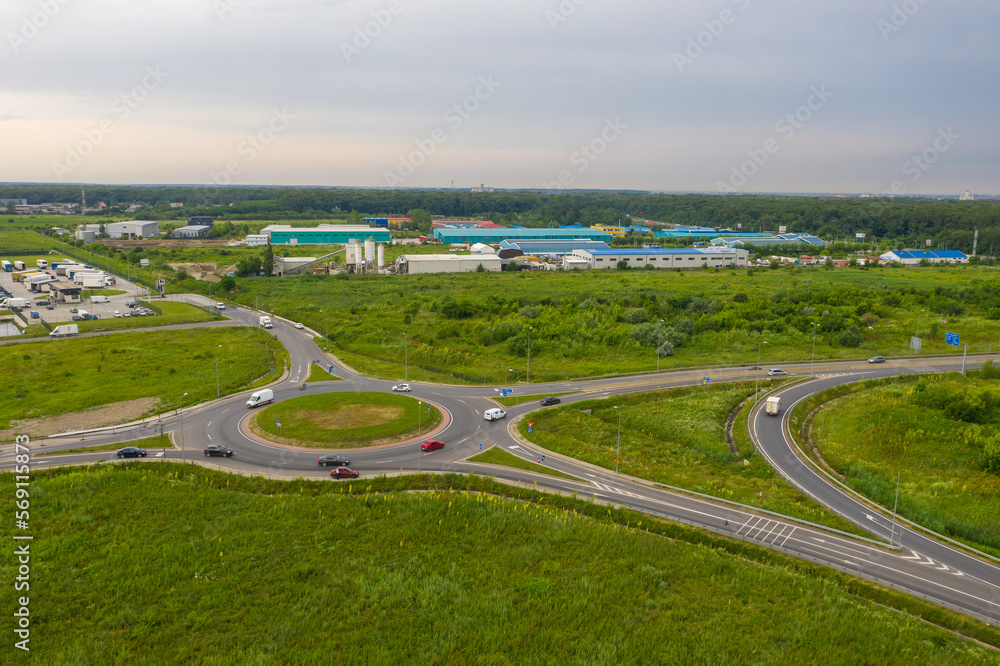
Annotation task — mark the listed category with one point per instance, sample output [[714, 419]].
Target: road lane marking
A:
[[380, 462], [209, 436], [209, 425], [787, 536], [226, 410]]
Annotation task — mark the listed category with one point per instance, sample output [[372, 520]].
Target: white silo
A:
[[370, 251], [381, 255], [359, 259]]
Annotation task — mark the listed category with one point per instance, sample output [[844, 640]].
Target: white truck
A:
[[772, 406], [18, 265], [42, 263], [261, 397], [17, 303], [64, 329], [92, 281], [265, 321]]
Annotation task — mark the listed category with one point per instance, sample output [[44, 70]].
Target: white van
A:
[[494, 414], [100, 299], [261, 397]]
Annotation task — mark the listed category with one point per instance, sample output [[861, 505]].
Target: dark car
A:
[[77, 318], [877, 359], [218, 450], [432, 445], [332, 459], [344, 473], [551, 400], [131, 452]]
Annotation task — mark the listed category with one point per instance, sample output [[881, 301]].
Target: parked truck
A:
[[265, 321], [19, 265], [89, 281], [17, 303], [7, 266], [64, 329], [42, 263], [772, 406]]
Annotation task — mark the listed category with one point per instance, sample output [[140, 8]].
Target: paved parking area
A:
[[62, 311]]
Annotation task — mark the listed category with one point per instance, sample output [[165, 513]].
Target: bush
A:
[[740, 298], [991, 455], [623, 265], [849, 337], [227, 283], [635, 316], [529, 312]]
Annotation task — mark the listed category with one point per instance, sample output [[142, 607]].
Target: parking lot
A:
[[61, 313]]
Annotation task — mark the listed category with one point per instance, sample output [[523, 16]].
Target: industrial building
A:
[[780, 239], [551, 248], [914, 257], [256, 240], [195, 231], [88, 233], [464, 224], [413, 264], [132, 229], [681, 233], [659, 258], [324, 234], [289, 265], [454, 236]]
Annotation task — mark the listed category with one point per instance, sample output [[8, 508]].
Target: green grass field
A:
[[912, 426], [471, 328], [158, 442], [222, 569], [497, 456], [346, 420], [68, 375], [318, 374], [87, 293], [171, 314], [676, 437]]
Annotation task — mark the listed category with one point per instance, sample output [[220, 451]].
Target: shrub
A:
[[849, 337], [529, 312], [740, 298], [635, 316], [991, 455]]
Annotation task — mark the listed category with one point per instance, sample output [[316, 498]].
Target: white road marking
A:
[[226, 410], [209, 436], [295, 381], [461, 401], [514, 446], [379, 462], [788, 535], [209, 425], [158, 455]]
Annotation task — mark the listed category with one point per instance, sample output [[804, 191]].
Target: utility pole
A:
[[894, 507]]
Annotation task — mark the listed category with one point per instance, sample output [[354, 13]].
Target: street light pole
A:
[[756, 386], [180, 411], [659, 328], [918, 332], [527, 376], [812, 368], [419, 404], [618, 454], [894, 507], [406, 360], [218, 393]]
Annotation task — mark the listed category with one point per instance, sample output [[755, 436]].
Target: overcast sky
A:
[[743, 95]]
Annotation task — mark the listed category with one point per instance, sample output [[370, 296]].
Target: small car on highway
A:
[[131, 452], [220, 306], [404, 388], [332, 459], [551, 400], [344, 473], [299, 325], [432, 445], [776, 372], [877, 359], [218, 450]]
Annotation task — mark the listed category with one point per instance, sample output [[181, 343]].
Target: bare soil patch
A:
[[98, 417]]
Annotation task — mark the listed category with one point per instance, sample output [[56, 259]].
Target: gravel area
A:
[[99, 417]]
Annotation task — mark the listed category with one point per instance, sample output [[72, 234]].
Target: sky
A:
[[856, 96]]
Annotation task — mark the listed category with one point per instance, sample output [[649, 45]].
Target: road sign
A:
[[506, 392], [914, 342], [706, 379], [529, 429], [277, 422], [951, 339]]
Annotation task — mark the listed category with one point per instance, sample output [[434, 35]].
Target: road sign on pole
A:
[[951, 339], [915, 343]]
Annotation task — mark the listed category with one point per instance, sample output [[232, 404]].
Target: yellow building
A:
[[614, 231]]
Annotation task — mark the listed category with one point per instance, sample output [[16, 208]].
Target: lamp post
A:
[[218, 393], [419, 404], [527, 374], [918, 332], [180, 411], [812, 368], [659, 327], [618, 454], [406, 360], [518, 372], [756, 386], [326, 340], [517, 396]]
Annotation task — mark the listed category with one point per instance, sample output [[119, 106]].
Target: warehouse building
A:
[[195, 231], [413, 264], [681, 233], [324, 234], [133, 229], [914, 257], [88, 233], [780, 239], [552, 248], [257, 240], [500, 234], [659, 258]]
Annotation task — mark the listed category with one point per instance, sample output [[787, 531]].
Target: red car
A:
[[344, 473], [432, 445]]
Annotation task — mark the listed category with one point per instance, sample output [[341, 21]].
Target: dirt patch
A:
[[730, 422], [350, 416], [98, 417], [198, 271]]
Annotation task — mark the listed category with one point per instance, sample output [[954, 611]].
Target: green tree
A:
[[268, 260], [421, 219], [512, 267], [480, 268], [354, 217], [227, 283]]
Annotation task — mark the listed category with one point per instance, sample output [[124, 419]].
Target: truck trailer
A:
[[42, 263], [19, 265], [772, 406], [7, 266]]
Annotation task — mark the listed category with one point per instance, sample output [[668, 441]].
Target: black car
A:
[[551, 400], [131, 452], [77, 318], [333, 460], [218, 450]]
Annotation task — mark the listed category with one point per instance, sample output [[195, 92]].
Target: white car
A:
[[299, 324], [220, 306], [405, 388], [494, 414], [776, 372], [117, 313]]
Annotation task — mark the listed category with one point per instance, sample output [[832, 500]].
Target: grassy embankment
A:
[[471, 328], [72, 374], [565, 581], [931, 431], [346, 420], [676, 437], [149, 443], [318, 374], [497, 456]]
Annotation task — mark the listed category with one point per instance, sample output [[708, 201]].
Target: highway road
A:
[[917, 563]]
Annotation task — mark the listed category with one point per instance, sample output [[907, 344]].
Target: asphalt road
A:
[[922, 565]]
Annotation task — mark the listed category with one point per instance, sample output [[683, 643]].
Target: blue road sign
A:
[[543, 458], [706, 379], [506, 392], [951, 339], [277, 422], [529, 429]]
